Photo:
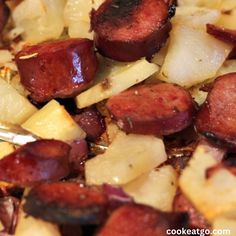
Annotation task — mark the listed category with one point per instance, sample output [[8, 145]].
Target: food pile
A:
[[133, 105]]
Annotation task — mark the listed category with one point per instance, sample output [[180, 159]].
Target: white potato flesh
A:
[[128, 157], [5, 149], [218, 4], [227, 19], [214, 196], [195, 16], [127, 76], [29, 226], [40, 19], [112, 131], [193, 56], [54, 122], [14, 108], [156, 188], [77, 17], [198, 95]]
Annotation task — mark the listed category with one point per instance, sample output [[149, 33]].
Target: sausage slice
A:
[[127, 30], [67, 203], [34, 162], [155, 109], [57, 69], [138, 220], [216, 120]]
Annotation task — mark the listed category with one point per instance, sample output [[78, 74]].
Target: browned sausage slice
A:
[[139, 220], [4, 14], [221, 33], [127, 30], [34, 162], [67, 203], [57, 69], [157, 109], [217, 118]]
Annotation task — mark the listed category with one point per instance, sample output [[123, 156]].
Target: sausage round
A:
[[216, 120], [43, 160], [137, 219], [67, 203], [57, 69], [155, 109], [128, 30]]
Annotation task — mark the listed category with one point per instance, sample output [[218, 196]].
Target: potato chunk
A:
[[193, 56], [156, 188], [123, 78], [128, 157], [53, 122], [14, 108], [213, 196], [5, 149]]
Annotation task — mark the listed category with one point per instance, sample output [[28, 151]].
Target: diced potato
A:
[[227, 7], [112, 131], [198, 95], [77, 17], [14, 108], [189, 2], [128, 157], [224, 226], [5, 149], [195, 16], [214, 196], [217, 4], [29, 226], [53, 122], [40, 19], [17, 85], [156, 188], [122, 79], [159, 57], [193, 56]]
